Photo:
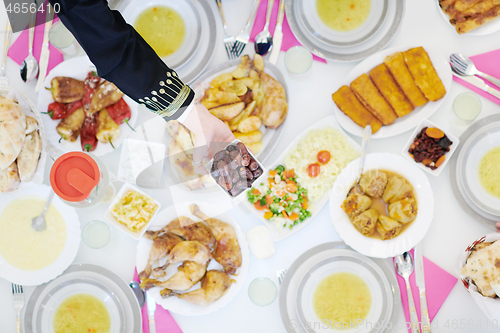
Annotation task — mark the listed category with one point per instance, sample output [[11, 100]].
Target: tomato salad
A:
[[284, 201]]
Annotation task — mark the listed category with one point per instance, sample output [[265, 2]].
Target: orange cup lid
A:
[[74, 175]]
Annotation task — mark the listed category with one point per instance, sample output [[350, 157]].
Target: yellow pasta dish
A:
[[134, 210]]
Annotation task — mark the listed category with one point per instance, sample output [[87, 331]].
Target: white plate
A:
[[29, 109], [486, 29], [413, 234], [453, 147], [316, 27], [175, 304], [84, 278], [314, 206], [469, 159], [409, 121], [112, 220], [191, 18], [68, 254], [78, 68], [338, 256]]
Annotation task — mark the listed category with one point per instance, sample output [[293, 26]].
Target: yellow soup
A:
[[21, 245], [82, 313], [489, 172], [342, 298], [343, 15], [163, 28]]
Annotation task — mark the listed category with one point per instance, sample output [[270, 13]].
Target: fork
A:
[[4, 81], [464, 66], [228, 39], [18, 300], [244, 36], [280, 273]]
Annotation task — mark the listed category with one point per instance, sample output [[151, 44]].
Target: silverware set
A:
[[18, 301], [404, 267]]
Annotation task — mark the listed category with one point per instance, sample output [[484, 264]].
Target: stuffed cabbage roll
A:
[[388, 228], [366, 222], [355, 204], [404, 210], [397, 189], [373, 183]]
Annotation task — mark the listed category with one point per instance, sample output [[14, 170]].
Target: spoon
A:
[[139, 293], [29, 68], [38, 223], [404, 267], [264, 40], [364, 146]]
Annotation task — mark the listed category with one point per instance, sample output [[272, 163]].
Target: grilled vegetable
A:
[[70, 127], [105, 95], [56, 110], [91, 83], [120, 113], [66, 89], [88, 138], [107, 129]]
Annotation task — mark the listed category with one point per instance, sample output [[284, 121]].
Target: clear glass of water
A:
[[298, 60], [262, 291], [96, 234], [467, 106], [62, 39]]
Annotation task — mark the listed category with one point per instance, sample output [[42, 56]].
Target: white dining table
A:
[[309, 97]]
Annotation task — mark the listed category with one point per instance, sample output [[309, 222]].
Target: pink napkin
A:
[[488, 63], [438, 285], [164, 320], [19, 50], [289, 39]]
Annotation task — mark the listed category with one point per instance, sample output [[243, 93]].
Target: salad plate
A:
[[314, 207]]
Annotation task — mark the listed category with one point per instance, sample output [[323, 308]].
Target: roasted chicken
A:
[[227, 250], [161, 248], [188, 274], [213, 286], [189, 250]]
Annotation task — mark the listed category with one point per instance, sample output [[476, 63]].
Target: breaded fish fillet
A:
[[423, 72], [370, 97], [397, 66], [389, 88], [348, 103]]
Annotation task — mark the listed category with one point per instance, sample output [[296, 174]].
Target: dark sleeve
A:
[[123, 57]]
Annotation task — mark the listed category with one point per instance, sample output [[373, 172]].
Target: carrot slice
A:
[[284, 214], [269, 199], [255, 191], [258, 206], [294, 216], [272, 173], [304, 204], [281, 193], [290, 187], [268, 215]]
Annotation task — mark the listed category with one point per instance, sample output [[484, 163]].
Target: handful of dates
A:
[[235, 169]]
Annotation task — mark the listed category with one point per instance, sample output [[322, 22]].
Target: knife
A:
[[151, 303], [478, 83], [419, 278], [278, 34], [45, 54]]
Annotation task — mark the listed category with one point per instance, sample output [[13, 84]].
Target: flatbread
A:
[[31, 124], [483, 267], [12, 131], [9, 178], [27, 161]]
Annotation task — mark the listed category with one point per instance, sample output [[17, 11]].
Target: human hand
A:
[[498, 226], [211, 135]]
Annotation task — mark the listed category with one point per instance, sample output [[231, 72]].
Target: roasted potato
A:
[[258, 63], [247, 138], [243, 68], [66, 89], [254, 76], [254, 147], [105, 95], [220, 78], [249, 124], [227, 112], [233, 123], [258, 92], [248, 82], [221, 97], [237, 87]]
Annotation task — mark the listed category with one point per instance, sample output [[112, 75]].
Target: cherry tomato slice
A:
[[313, 170], [324, 157]]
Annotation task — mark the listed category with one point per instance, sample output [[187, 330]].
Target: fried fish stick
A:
[[348, 103], [397, 66], [370, 97], [464, 22], [423, 72], [463, 5], [388, 87]]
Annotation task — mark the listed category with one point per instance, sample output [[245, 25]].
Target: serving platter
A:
[[98, 281], [68, 254], [78, 68], [29, 109], [189, 14], [175, 304], [330, 258], [314, 206], [306, 35], [412, 235], [409, 121]]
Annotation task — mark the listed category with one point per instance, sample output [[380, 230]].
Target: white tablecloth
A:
[[310, 100]]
